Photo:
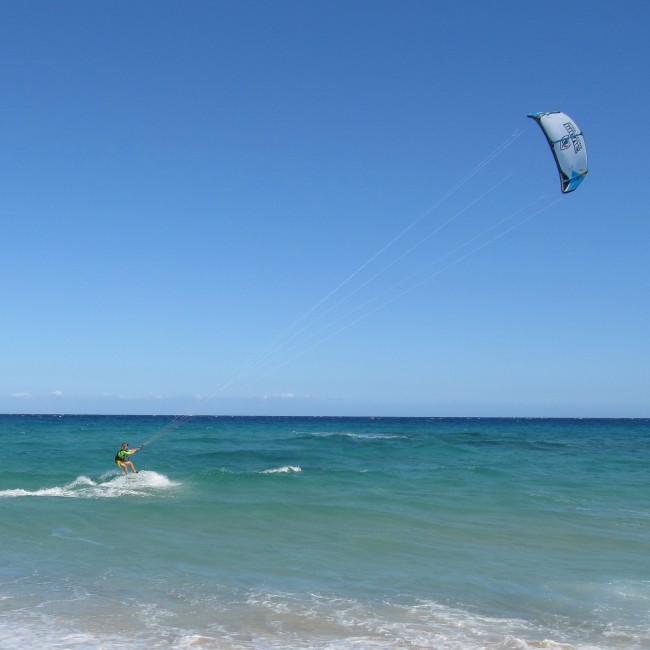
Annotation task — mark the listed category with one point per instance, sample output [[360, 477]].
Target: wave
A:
[[109, 485], [287, 469], [268, 621], [357, 436]]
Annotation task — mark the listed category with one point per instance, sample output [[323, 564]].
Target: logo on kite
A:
[[561, 133]]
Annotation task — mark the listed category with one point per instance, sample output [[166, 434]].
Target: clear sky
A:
[[322, 208]]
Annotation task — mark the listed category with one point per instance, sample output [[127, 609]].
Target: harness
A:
[[121, 456]]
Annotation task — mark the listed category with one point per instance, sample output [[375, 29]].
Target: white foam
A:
[[108, 486], [287, 469], [261, 620]]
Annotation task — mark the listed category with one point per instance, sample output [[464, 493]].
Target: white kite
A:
[[568, 146]]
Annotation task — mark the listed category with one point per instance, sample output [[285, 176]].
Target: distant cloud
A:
[[57, 393], [123, 397], [288, 395], [19, 395]]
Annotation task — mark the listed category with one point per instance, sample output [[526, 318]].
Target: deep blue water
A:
[[325, 533]]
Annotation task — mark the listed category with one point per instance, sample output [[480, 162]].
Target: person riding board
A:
[[122, 456]]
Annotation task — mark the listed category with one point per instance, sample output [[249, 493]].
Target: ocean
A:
[[324, 533]]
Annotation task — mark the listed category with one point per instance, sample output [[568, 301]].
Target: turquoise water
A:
[[333, 533]]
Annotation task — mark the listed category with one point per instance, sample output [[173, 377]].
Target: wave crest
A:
[[287, 469], [109, 485]]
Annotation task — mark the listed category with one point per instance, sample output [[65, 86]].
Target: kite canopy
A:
[[568, 147]]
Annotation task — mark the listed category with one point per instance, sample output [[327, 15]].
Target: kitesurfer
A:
[[122, 456]]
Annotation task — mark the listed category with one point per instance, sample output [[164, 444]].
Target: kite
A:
[[568, 146]]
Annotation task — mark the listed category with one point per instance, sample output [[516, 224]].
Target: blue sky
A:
[[322, 208]]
